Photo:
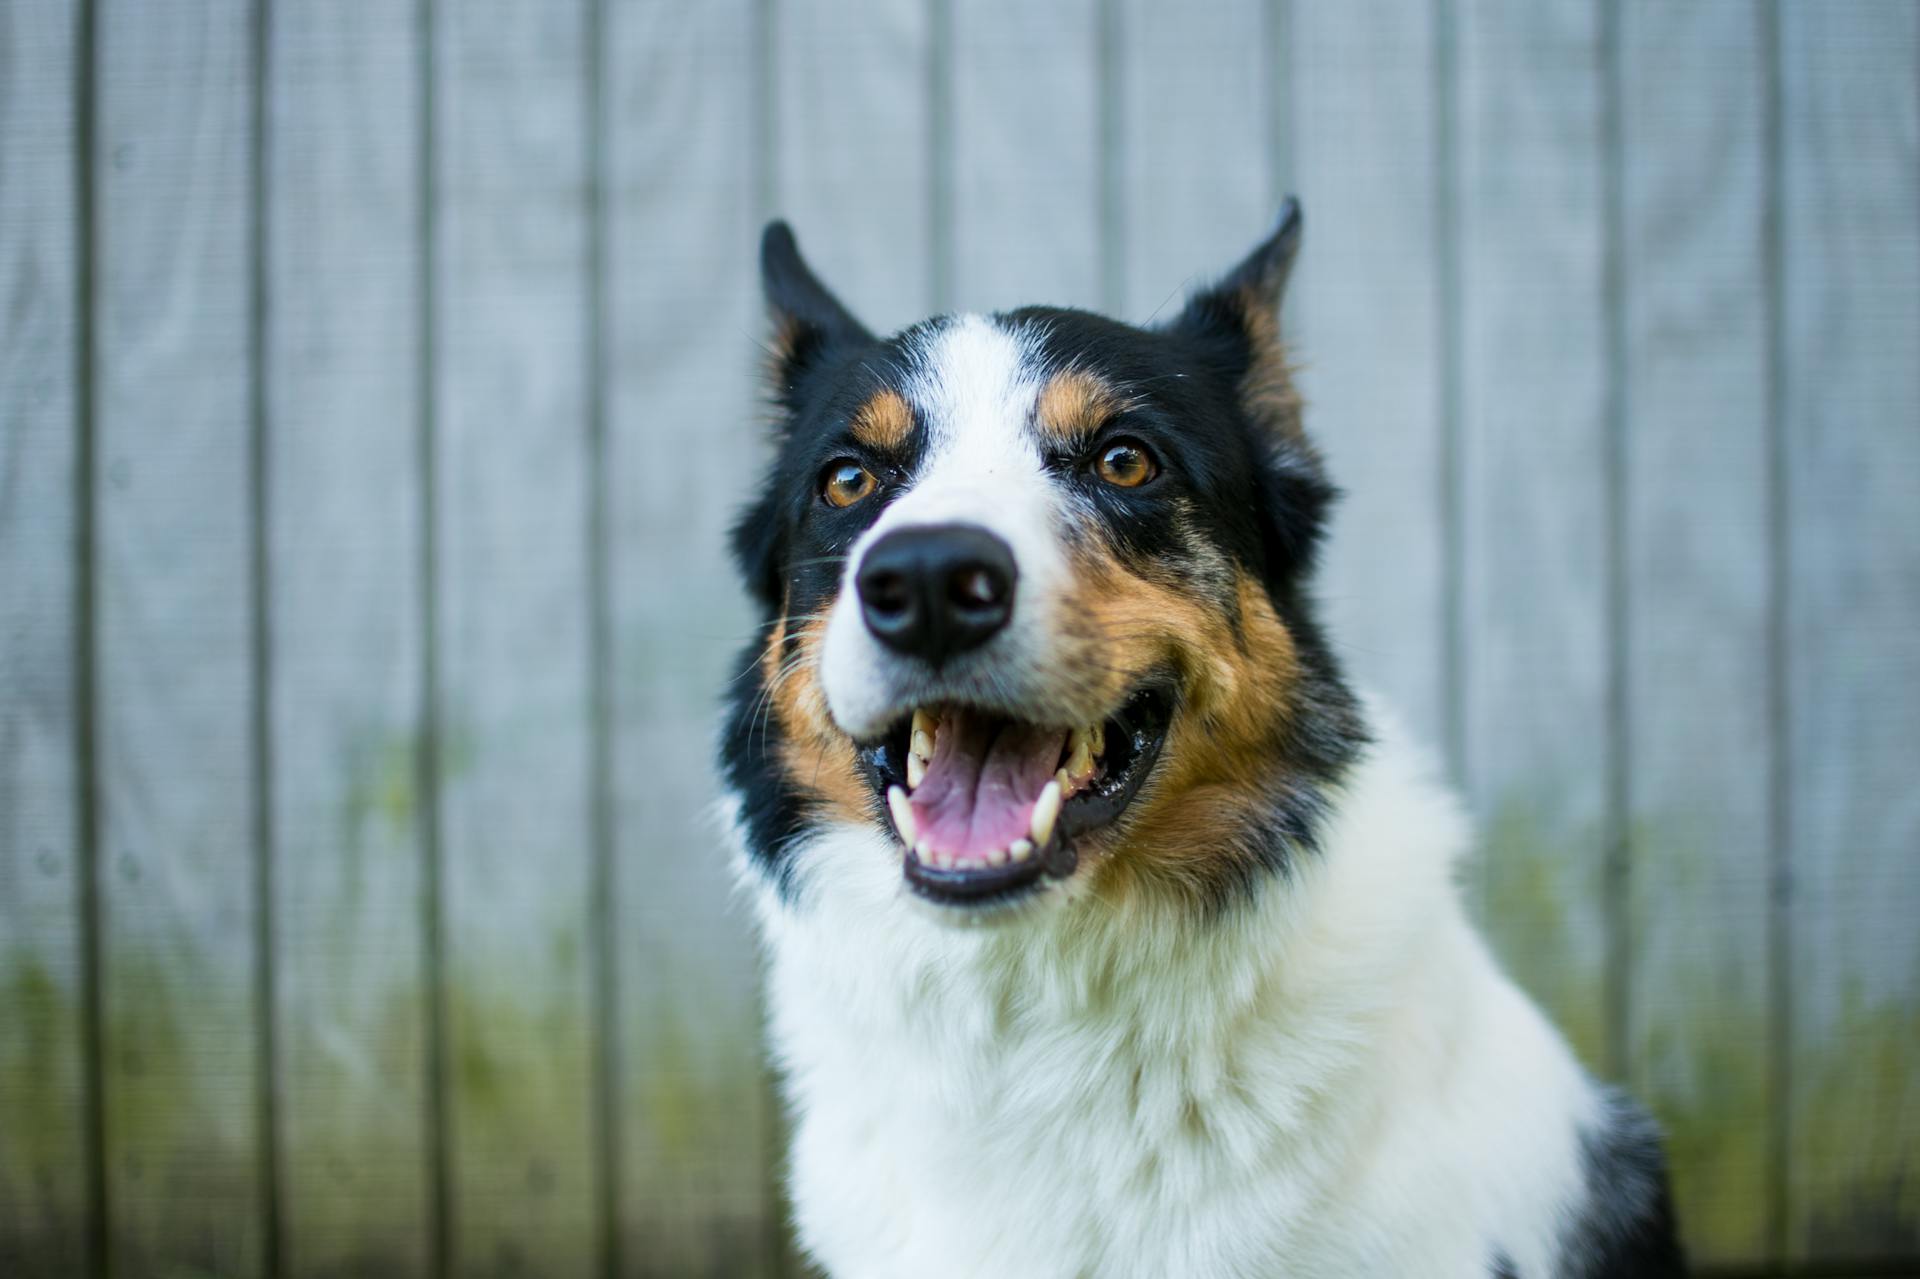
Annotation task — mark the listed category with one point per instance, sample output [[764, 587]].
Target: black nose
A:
[[936, 590]]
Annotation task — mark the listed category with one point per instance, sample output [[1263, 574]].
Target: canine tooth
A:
[[924, 723], [923, 853], [1080, 763], [1099, 734], [1020, 850], [902, 814], [996, 857], [916, 770], [923, 743], [1063, 781], [1045, 812]]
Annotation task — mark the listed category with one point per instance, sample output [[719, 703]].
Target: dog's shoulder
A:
[[1623, 1226]]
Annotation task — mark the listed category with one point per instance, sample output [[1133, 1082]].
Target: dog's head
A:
[[1033, 591]]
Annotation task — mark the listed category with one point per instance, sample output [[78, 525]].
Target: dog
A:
[[1108, 931]]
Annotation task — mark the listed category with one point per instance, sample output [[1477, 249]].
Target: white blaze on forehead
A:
[[974, 385]]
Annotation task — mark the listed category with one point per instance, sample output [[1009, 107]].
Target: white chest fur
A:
[[1334, 1079]]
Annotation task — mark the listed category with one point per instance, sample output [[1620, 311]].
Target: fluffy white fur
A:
[[1334, 1079]]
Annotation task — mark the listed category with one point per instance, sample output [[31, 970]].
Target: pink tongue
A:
[[984, 779]]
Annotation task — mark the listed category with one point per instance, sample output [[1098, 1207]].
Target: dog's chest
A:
[[946, 1131]]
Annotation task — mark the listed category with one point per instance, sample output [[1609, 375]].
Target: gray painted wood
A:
[[1364, 320], [852, 158], [1697, 657], [1851, 302], [1026, 154], [697, 1139], [1195, 164], [43, 1186], [1532, 467], [344, 505], [511, 471], [1766, 580], [175, 686]]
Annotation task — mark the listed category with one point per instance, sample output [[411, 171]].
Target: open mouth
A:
[[986, 805]]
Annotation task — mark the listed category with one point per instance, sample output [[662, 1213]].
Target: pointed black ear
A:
[[1248, 297], [807, 318], [1262, 274], [1239, 319]]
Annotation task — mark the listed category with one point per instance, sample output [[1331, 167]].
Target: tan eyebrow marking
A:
[[1074, 404], [884, 421]]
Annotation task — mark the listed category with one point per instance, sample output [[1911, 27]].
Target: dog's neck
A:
[[1323, 952]]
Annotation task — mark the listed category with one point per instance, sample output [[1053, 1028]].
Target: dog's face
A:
[[1033, 590]]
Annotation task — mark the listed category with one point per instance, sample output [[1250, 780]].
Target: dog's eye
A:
[[1126, 464], [843, 483]]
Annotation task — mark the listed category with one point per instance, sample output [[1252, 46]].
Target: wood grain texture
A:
[[1851, 300], [1532, 468], [1364, 317], [346, 608], [511, 467], [684, 416], [852, 155], [174, 611], [1195, 162], [1697, 660], [1026, 154], [43, 1183]]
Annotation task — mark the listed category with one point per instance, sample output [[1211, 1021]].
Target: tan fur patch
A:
[[816, 757], [885, 421], [1074, 404], [1219, 767]]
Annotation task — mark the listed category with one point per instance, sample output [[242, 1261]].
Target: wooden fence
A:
[[375, 383]]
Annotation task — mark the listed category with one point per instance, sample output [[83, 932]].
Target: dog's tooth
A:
[[996, 857], [943, 859], [902, 812], [923, 743], [916, 771], [1020, 850], [924, 723], [923, 853], [1063, 781], [1080, 764], [1099, 735], [1045, 812]]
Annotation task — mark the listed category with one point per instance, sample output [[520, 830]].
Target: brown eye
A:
[[1126, 464], [843, 483]]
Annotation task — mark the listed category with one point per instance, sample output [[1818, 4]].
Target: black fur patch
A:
[[1626, 1227]]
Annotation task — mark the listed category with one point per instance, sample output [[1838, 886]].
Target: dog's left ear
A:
[[1237, 321]]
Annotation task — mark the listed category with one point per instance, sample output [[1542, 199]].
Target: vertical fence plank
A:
[[1026, 154], [175, 652], [1365, 308], [510, 477], [1195, 169], [853, 159], [1697, 749], [344, 516], [1851, 469], [683, 412], [43, 1188], [1533, 499]]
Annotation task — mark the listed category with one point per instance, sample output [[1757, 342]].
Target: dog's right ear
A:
[[808, 321]]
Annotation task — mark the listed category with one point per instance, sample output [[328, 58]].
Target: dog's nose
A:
[[936, 590]]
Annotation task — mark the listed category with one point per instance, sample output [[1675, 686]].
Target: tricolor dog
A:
[[1109, 931]]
